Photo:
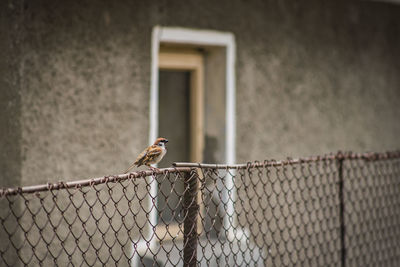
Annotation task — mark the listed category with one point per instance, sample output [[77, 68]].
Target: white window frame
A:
[[177, 35]]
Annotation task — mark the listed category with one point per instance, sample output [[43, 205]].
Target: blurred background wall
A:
[[312, 77]]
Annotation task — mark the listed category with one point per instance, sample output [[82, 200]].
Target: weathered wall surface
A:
[[312, 78], [10, 95], [327, 78], [85, 99]]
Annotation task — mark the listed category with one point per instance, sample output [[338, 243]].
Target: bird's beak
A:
[[166, 141]]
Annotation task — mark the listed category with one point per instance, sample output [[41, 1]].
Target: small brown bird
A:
[[151, 155]]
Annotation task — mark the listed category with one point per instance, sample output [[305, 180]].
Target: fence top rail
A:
[[188, 166], [290, 161], [88, 182]]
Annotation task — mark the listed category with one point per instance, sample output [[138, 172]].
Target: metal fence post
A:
[[340, 159], [191, 210]]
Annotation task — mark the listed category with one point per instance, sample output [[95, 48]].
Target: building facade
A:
[[76, 80]]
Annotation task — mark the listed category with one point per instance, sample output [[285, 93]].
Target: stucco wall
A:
[[311, 78], [10, 95], [327, 78]]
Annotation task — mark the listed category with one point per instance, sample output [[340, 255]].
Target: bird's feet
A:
[[154, 168]]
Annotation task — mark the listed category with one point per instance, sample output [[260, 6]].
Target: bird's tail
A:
[[130, 167]]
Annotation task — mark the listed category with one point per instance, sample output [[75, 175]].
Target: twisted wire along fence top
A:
[[88, 182], [188, 166], [270, 163]]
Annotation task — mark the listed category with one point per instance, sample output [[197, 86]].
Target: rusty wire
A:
[[337, 209]]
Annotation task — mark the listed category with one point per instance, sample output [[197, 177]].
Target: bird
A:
[[151, 155]]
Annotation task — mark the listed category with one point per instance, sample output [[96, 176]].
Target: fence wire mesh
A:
[[337, 209]]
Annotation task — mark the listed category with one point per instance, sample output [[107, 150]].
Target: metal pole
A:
[[190, 222], [340, 160]]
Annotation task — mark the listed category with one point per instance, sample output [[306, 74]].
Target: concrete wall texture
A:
[[312, 77]]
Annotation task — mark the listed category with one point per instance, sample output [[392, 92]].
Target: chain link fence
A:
[[334, 210]]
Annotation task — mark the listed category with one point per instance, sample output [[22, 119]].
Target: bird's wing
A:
[[141, 157], [152, 154], [148, 155]]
